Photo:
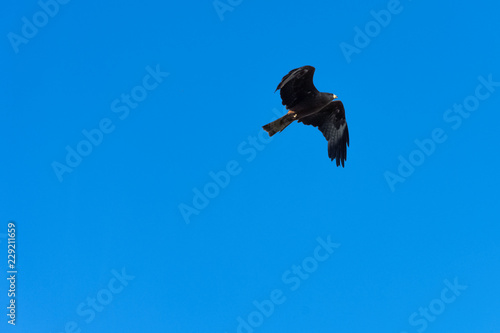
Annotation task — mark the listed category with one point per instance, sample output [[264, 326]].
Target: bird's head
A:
[[334, 96]]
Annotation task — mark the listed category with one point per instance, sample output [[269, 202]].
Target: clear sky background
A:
[[148, 199]]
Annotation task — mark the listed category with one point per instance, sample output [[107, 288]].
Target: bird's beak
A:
[[335, 96]]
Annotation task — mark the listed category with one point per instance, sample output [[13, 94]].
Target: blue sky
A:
[[147, 198]]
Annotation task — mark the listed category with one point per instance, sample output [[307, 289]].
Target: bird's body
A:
[[311, 107], [299, 94]]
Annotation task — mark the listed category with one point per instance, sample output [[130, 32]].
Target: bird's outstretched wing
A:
[[297, 85], [331, 122]]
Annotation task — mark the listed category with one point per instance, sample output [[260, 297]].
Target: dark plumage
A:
[[311, 107]]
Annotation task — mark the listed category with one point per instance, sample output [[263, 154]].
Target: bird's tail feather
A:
[[279, 124]]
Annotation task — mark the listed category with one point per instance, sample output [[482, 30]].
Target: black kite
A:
[[311, 107]]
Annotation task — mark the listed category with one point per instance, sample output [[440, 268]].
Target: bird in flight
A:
[[309, 106]]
